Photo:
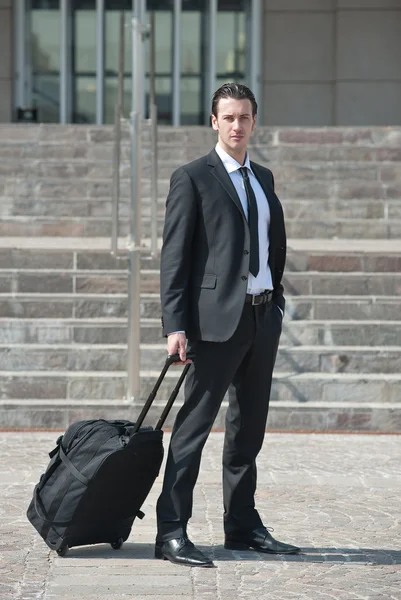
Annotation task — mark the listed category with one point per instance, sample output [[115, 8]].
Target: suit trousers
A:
[[243, 365]]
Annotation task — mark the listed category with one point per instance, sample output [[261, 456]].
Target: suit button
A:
[[246, 252], [244, 278]]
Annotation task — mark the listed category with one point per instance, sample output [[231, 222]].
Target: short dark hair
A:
[[236, 91]]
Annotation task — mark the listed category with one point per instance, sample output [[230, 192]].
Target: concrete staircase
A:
[[63, 306]]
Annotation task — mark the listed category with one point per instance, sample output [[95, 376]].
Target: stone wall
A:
[[332, 62]]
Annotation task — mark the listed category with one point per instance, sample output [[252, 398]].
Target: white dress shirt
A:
[[263, 281]]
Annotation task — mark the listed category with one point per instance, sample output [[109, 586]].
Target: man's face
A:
[[234, 123]]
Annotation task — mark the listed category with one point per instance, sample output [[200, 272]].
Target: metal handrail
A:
[[134, 282], [117, 146], [153, 136], [134, 246]]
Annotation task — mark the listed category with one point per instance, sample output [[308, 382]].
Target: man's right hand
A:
[[177, 344]]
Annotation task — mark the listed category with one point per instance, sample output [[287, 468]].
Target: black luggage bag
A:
[[99, 475]]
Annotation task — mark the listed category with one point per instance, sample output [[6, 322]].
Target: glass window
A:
[[191, 91], [84, 61], [112, 41], [85, 40], [164, 41], [164, 95], [163, 61], [160, 4], [110, 98], [232, 5], [45, 60], [231, 45], [43, 72], [112, 46], [193, 61], [84, 110], [191, 42]]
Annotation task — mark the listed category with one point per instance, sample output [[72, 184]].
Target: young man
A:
[[222, 261]]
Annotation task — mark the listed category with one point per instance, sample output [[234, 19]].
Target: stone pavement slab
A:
[[336, 496]]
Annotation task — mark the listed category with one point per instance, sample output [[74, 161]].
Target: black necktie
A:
[[252, 222]]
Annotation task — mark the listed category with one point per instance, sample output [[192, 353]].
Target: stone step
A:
[[317, 283], [293, 209], [44, 172], [319, 416], [59, 386], [344, 228], [327, 210], [114, 331], [24, 186], [197, 135], [87, 306], [38, 162], [285, 415], [23, 190], [343, 136], [27, 226], [113, 357], [47, 208], [262, 152], [98, 282], [77, 331], [302, 255], [101, 208]]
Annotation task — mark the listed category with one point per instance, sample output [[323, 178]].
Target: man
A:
[[222, 261]]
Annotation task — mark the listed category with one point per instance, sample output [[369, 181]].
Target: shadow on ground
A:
[[363, 556]]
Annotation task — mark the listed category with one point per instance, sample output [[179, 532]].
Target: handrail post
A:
[[153, 124], [134, 250], [117, 143]]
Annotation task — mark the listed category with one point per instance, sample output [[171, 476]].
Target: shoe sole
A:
[[242, 546]]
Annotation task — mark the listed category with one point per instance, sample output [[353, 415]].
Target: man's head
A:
[[234, 111]]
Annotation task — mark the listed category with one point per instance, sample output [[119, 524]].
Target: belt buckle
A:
[[260, 297]]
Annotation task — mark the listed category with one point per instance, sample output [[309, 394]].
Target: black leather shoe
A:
[[181, 551], [260, 540]]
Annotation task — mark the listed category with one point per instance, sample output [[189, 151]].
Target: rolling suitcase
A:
[[99, 475]]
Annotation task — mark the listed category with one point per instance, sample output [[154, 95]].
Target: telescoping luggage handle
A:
[[169, 361]]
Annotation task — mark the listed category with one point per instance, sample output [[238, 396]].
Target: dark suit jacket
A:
[[205, 255]]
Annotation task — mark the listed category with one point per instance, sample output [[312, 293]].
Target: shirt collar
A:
[[230, 164]]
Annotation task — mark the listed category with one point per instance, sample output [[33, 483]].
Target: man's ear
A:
[[214, 123], [254, 122]]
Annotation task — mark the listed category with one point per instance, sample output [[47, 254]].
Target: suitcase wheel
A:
[[117, 544], [62, 551]]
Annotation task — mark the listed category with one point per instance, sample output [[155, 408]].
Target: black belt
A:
[[257, 299]]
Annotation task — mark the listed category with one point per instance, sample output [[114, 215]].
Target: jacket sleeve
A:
[[176, 254], [278, 293]]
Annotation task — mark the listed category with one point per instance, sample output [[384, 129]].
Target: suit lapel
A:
[[219, 172]]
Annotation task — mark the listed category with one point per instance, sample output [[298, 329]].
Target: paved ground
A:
[[339, 497]]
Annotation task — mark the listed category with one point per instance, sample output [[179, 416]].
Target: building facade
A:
[[309, 62]]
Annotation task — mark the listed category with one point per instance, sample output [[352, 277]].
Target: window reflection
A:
[[231, 42], [112, 45], [45, 60], [84, 61], [193, 65], [163, 61]]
